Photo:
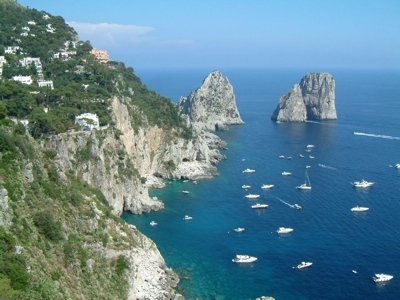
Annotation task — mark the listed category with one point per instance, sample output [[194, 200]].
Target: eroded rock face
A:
[[212, 106], [312, 99]]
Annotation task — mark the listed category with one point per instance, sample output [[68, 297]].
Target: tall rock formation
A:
[[312, 99], [212, 106]]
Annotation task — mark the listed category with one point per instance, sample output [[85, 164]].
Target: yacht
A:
[[311, 156], [267, 186], [397, 166], [306, 185], [252, 196], [304, 264], [289, 157], [296, 206], [152, 223], [284, 230], [362, 184], [382, 277], [239, 229], [258, 205], [187, 217], [308, 150], [301, 155], [310, 146], [245, 186], [359, 208], [307, 167], [281, 156], [244, 259], [185, 192], [284, 173], [249, 171]]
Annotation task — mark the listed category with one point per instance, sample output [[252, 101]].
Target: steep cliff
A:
[[312, 99], [212, 106]]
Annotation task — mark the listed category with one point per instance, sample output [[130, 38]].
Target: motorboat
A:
[[284, 230], [397, 166], [359, 208], [306, 185], [304, 264], [281, 156], [289, 157], [296, 206], [244, 259], [245, 186], [308, 166], [311, 156], [249, 171], [285, 173], [267, 186], [239, 229], [185, 192], [362, 184], [310, 146], [382, 277], [301, 155], [258, 205], [308, 150], [187, 217], [252, 196], [152, 223], [195, 182]]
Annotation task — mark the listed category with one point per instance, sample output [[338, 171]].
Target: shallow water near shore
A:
[[326, 232]]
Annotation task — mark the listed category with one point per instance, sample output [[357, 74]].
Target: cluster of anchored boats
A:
[[379, 277]]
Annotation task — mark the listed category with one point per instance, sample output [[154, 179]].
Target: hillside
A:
[[63, 185]]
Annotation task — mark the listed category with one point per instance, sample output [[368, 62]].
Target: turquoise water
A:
[[336, 240]]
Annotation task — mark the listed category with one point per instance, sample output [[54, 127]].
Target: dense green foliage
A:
[[81, 83]]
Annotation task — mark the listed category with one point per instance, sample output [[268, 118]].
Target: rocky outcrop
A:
[[5, 210], [312, 99], [212, 106]]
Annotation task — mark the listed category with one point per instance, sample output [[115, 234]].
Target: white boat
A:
[[284, 230], [244, 259], [308, 150], [301, 155], [307, 167], [306, 185], [252, 196], [296, 206], [187, 217], [185, 192], [281, 156], [245, 186], [311, 156], [267, 186], [359, 208], [289, 157], [304, 264], [362, 184], [284, 173], [310, 146], [186, 180], [195, 182], [382, 277], [397, 166], [152, 223], [249, 171], [239, 229], [258, 205]]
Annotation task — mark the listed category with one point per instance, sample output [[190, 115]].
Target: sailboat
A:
[[306, 185]]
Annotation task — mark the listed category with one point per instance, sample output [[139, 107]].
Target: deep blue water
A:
[[326, 232]]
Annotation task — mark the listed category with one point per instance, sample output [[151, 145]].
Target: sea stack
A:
[[212, 106], [312, 99]]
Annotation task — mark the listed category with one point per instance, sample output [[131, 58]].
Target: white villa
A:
[[48, 83], [23, 79], [11, 49], [88, 121], [2, 62]]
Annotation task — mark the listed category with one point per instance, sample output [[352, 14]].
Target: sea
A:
[[346, 248]]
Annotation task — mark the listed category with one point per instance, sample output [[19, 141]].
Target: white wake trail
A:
[[378, 136], [288, 204], [326, 167]]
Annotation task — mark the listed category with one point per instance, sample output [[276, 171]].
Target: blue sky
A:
[[252, 33]]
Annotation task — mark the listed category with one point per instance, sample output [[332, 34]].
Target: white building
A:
[[88, 121], [2, 62], [31, 22], [23, 79], [48, 83], [11, 49]]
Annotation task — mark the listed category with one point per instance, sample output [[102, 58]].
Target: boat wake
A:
[[326, 167], [308, 121], [389, 137], [284, 202]]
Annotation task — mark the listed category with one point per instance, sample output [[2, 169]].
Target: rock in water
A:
[[312, 99], [212, 106]]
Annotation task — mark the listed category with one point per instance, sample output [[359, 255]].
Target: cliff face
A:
[[312, 99], [212, 106]]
